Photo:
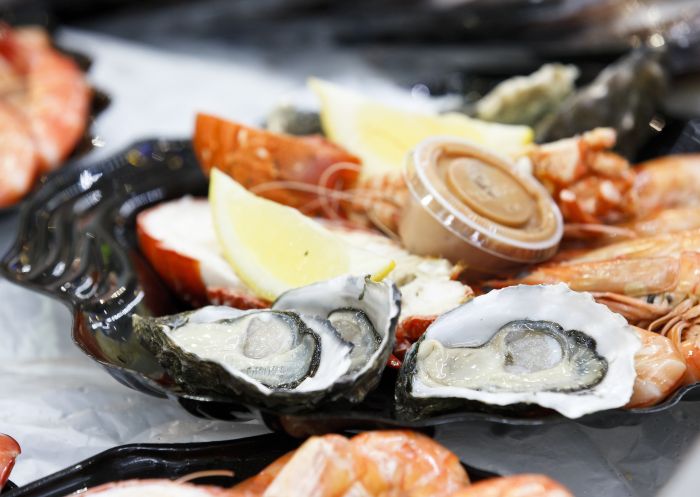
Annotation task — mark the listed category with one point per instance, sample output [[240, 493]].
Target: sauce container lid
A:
[[480, 198]]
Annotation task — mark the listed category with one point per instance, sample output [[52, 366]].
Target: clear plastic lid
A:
[[480, 197]]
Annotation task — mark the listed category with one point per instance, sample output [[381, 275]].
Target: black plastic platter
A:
[[9, 486], [244, 457], [77, 242]]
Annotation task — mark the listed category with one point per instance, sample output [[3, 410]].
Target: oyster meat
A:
[[544, 344], [274, 348], [318, 343]]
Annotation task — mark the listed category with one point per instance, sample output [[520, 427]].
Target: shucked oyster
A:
[[317, 343], [543, 345], [362, 313]]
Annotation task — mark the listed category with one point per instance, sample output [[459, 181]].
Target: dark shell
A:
[[410, 408], [356, 290], [624, 96], [203, 377]]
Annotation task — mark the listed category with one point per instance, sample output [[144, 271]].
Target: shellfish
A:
[[544, 345], [317, 343]]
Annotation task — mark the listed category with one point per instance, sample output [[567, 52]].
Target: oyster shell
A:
[[317, 343], [625, 96], [362, 312], [544, 344], [528, 99]]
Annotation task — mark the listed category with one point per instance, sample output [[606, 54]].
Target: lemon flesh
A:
[[382, 135], [274, 248]]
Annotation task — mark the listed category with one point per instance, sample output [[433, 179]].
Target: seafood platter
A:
[[365, 264]]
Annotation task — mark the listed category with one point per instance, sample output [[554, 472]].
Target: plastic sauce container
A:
[[471, 206]]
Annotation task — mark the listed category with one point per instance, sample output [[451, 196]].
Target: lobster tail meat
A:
[[179, 240]]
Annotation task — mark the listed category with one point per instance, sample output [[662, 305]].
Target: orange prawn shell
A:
[[660, 370], [669, 181], [56, 96], [256, 157], [19, 165], [526, 485], [690, 348], [372, 463], [43, 112], [409, 463]]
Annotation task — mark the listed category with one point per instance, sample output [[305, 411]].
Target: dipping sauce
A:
[[471, 206]]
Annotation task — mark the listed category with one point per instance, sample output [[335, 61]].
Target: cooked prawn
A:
[[409, 464], [9, 450], [18, 164], [595, 187], [660, 369], [663, 244], [515, 486], [43, 109], [670, 181], [640, 279], [682, 326], [666, 263], [690, 348], [624, 276], [670, 220], [378, 463], [54, 97]]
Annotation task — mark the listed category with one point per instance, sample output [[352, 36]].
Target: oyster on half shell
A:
[[318, 343], [544, 344]]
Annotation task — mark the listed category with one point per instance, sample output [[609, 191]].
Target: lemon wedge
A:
[[273, 247], [382, 135]]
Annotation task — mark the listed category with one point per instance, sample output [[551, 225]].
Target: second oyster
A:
[[545, 345]]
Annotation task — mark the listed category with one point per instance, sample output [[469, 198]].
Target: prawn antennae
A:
[[205, 474]]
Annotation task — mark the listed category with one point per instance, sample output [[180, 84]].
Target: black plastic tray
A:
[[77, 242], [245, 457]]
